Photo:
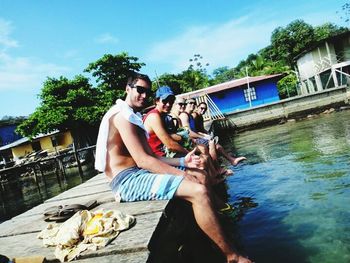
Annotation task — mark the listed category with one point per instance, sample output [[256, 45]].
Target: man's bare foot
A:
[[238, 259], [235, 161]]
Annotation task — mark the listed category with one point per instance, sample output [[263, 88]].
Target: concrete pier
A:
[[277, 112]]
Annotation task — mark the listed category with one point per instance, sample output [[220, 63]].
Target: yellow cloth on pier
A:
[[85, 230]]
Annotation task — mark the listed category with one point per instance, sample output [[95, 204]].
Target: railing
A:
[[213, 112]]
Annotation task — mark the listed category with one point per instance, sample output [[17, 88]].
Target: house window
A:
[[36, 146], [252, 94], [313, 83], [57, 140], [54, 141]]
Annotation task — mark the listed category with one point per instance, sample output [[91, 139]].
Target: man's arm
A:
[[136, 143], [154, 122], [191, 160], [176, 137]]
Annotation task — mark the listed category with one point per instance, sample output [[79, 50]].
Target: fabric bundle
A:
[[85, 230]]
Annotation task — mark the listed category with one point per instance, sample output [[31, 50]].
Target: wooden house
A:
[[325, 65]]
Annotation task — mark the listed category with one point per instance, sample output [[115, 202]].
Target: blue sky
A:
[[60, 37]]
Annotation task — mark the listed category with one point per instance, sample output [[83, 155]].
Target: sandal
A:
[[228, 210], [61, 213]]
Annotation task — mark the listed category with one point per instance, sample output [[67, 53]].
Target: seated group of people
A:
[[132, 154], [175, 127]]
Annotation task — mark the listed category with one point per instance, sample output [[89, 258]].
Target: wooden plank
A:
[[133, 240], [34, 223]]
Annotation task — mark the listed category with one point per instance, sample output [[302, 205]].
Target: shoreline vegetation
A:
[[63, 100]]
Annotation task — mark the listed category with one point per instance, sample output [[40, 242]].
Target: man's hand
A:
[[192, 160], [196, 175]]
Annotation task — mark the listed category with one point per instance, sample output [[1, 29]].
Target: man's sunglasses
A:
[[191, 103], [141, 89]]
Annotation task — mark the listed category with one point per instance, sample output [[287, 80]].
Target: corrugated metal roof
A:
[[13, 144], [227, 85], [24, 140]]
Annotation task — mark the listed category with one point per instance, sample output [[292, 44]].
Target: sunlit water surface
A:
[[298, 174]]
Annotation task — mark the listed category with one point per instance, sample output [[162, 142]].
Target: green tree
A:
[[288, 42], [195, 76], [193, 80], [196, 63], [66, 104], [327, 30], [172, 80], [287, 86], [111, 73], [222, 74]]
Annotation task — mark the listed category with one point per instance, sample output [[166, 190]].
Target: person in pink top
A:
[[155, 126]]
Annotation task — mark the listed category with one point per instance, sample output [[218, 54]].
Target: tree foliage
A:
[[287, 86], [290, 41], [78, 106], [193, 78], [222, 74], [65, 104], [327, 30], [172, 80], [278, 57], [111, 73]]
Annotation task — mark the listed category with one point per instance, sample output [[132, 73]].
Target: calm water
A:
[[18, 196], [298, 174]]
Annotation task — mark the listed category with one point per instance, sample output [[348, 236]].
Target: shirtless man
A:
[[122, 152]]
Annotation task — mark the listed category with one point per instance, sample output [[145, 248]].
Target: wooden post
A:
[[56, 172], [61, 167], [80, 170], [36, 181]]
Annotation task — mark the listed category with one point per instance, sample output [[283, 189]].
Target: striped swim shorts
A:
[[135, 184], [202, 141]]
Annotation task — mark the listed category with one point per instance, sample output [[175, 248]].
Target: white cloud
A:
[[227, 43], [107, 39], [220, 45], [24, 73], [5, 40]]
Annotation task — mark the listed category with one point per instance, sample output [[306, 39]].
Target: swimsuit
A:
[[136, 184]]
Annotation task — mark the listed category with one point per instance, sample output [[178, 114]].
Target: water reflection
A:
[[22, 193], [299, 175]]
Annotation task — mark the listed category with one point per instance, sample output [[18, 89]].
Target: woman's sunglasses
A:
[[141, 89], [169, 99], [182, 104]]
